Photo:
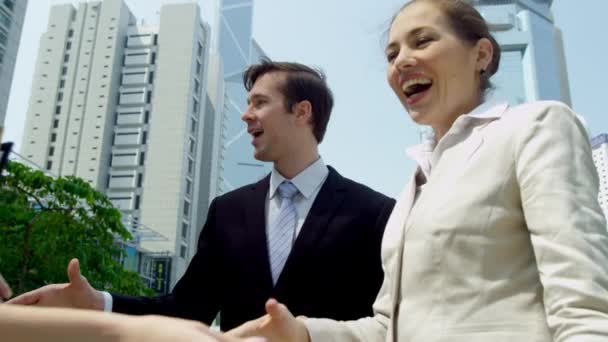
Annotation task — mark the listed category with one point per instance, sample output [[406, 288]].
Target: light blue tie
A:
[[282, 230]]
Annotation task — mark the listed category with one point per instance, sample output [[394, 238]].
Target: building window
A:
[[66, 58], [57, 109], [70, 33], [147, 116], [144, 138], [56, 123], [149, 96], [200, 49], [195, 106], [153, 61], [53, 137], [60, 96], [182, 252], [190, 166], [151, 77], [198, 67], [51, 151], [188, 186], [68, 45], [49, 165], [137, 202], [61, 83], [142, 158], [192, 126], [192, 146], [64, 71], [197, 85], [139, 180], [184, 230], [186, 208]]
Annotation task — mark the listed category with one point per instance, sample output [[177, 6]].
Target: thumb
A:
[[277, 311], [74, 273]]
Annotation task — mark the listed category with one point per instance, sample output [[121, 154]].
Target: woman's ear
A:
[[485, 52]]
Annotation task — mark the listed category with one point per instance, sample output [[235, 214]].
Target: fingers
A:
[[247, 329], [29, 298], [5, 290]]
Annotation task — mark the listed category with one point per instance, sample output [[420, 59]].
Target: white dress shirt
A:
[[308, 182]]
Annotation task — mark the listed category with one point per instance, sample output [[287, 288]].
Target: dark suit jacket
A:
[[333, 271]]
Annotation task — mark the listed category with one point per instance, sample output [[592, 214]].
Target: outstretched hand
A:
[[78, 293], [5, 290], [277, 325]]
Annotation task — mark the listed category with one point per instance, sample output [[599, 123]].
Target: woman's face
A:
[[434, 73]]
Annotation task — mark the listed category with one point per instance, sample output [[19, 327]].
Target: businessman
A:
[[304, 234]]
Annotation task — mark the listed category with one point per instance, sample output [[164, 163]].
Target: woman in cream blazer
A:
[[499, 235]]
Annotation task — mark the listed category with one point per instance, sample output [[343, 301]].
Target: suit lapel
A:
[[329, 199], [255, 222]]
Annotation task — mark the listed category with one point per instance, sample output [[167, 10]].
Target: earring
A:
[[482, 71]]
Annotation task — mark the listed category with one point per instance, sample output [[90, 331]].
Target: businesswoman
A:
[[499, 235]]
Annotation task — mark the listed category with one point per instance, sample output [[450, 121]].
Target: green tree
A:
[[45, 221]]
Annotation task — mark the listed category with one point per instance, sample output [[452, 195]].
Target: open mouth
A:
[[256, 133], [416, 86]]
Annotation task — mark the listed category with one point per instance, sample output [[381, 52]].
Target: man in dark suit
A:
[[304, 235]]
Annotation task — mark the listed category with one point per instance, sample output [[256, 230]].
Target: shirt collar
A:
[[491, 109], [307, 181]]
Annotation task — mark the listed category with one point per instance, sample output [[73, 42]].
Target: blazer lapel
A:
[[315, 225], [255, 223]]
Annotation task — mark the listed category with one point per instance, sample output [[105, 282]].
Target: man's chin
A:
[[261, 156]]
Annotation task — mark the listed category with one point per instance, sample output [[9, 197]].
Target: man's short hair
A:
[[302, 83]]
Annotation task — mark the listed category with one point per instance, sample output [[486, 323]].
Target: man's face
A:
[[271, 125]]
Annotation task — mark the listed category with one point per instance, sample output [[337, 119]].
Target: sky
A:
[[369, 130]]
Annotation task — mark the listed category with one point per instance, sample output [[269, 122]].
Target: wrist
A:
[[99, 301]]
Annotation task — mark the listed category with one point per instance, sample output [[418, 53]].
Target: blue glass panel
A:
[[240, 21]]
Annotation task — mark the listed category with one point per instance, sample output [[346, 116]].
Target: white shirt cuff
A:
[[107, 301]]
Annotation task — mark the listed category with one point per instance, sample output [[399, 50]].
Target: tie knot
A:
[[287, 190]]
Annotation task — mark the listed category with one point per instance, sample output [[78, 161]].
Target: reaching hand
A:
[[5, 290], [78, 293], [278, 325]]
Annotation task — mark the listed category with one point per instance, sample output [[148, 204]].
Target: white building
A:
[[124, 107], [12, 13], [600, 158]]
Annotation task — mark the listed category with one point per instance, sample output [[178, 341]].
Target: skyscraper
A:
[[600, 158], [12, 13], [533, 64], [123, 107], [238, 49]]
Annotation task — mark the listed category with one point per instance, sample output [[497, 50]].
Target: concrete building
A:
[[600, 158], [533, 64], [124, 107], [12, 13]]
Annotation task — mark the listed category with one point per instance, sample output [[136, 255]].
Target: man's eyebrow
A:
[[255, 97]]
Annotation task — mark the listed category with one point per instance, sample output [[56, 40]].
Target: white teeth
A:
[[415, 81]]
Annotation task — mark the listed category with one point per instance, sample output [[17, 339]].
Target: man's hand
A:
[[5, 290], [278, 325], [78, 293]]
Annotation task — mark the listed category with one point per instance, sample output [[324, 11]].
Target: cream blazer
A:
[[506, 243]]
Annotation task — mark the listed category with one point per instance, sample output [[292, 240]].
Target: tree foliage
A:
[[45, 222]]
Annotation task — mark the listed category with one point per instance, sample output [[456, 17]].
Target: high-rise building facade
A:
[[123, 107], [238, 50], [600, 158], [532, 65], [12, 14]]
